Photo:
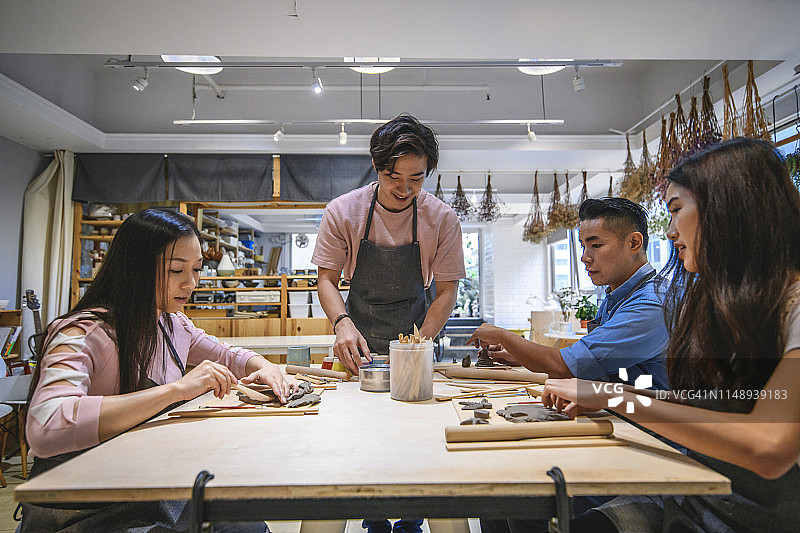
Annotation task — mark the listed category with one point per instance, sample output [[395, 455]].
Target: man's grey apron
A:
[[593, 323], [387, 292]]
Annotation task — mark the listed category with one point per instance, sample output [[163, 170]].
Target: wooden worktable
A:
[[362, 453]]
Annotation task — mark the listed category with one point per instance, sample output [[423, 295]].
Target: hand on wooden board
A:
[[271, 375], [207, 376], [348, 342]]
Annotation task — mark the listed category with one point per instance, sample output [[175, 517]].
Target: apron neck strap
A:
[[372, 210]]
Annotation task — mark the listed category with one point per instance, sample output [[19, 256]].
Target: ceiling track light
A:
[[578, 84], [316, 86], [140, 83], [531, 135], [342, 135], [278, 134]]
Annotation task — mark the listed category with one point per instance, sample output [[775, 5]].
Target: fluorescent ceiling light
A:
[[542, 70], [194, 59], [372, 69], [254, 122]]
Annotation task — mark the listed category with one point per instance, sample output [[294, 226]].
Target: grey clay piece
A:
[[483, 404], [482, 413], [473, 421], [530, 413], [308, 399], [303, 388]]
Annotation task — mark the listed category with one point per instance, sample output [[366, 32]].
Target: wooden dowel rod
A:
[[500, 432]]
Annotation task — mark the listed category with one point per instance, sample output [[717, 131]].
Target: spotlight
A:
[[140, 83], [577, 82], [278, 135], [531, 135], [342, 135], [316, 86]]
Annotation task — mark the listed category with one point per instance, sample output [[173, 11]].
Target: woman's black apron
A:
[[387, 292]]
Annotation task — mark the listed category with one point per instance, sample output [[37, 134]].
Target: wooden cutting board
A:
[[534, 443]]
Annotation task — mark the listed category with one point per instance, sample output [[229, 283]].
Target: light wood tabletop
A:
[[278, 344], [362, 450]]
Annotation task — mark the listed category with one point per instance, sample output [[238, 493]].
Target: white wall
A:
[[518, 270], [18, 166]]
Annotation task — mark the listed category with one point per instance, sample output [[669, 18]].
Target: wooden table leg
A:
[[23, 449]]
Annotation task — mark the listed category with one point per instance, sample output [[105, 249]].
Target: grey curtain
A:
[[220, 177], [119, 178], [321, 178]]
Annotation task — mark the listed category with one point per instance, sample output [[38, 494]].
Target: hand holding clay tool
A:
[[250, 393]]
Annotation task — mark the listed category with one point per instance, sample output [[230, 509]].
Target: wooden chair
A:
[[14, 397]]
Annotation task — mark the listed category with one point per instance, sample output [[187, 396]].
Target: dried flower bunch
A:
[[610, 186], [535, 230], [730, 126], [439, 192], [461, 204], [709, 127], [755, 121], [561, 213], [491, 207], [636, 183], [584, 191]]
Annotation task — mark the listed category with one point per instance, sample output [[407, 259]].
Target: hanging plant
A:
[[661, 169], [710, 133], [643, 176], [461, 204], [571, 218], [793, 162], [674, 149], [628, 168], [562, 214], [681, 130], [692, 130], [730, 127], [755, 121], [439, 192], [610, 186], [535, 230], [491, 207], [584, 192]]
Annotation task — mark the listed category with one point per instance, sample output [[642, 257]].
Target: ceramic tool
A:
[[250, 393]]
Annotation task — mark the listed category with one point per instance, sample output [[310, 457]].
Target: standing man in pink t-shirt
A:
[[392, 239]]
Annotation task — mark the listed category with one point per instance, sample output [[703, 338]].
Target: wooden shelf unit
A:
[[12, 317]]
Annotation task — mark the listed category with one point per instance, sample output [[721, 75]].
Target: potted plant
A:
[[585, 311], [566, 298]]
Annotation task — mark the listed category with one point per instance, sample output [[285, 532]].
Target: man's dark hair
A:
[[401, 136], [620, 215]]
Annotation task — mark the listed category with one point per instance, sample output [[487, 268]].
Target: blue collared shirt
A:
[[631, 335]]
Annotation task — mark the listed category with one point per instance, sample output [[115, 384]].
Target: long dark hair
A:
[[726, 322], [123, 295]]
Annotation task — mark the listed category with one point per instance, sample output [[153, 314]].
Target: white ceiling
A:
[[54, 92]]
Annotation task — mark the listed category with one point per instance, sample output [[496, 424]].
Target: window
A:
[[468, 299], [302, 248]]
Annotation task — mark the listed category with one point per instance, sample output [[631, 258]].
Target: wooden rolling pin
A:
[[528, 430], [520, 374], [320, 372]]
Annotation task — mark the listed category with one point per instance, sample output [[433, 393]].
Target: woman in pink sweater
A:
[[120, 357]]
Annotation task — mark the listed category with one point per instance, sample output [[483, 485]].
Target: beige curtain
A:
[[47, 241]]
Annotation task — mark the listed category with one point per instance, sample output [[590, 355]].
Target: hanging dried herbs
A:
[[710, 133], [584, 192], [640, 184], [755, 121], [610, 186], [535, 229], [661, 169], [571, 217], [674, 150], [491, 206], [730, 126], [439, 192], [630, 187], [681, 130], [460, 204], [692, 130], [561, 214]]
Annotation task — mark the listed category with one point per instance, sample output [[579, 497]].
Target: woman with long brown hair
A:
[[733, 311]]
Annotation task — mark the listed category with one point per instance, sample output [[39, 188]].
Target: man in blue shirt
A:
[[629, 330]]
